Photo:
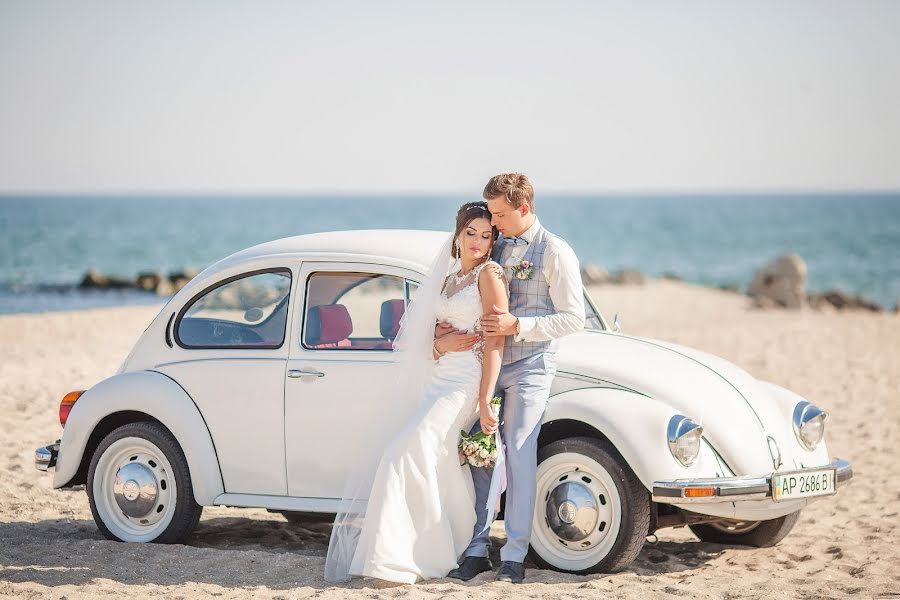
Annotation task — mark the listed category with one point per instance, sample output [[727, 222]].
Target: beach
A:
[[842, 546]]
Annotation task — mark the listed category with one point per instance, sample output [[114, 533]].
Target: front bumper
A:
[[45, 457], [734, 489]]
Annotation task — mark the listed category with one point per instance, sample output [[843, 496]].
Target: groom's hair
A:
[[514, 187]]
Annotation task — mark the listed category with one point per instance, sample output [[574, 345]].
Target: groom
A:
[[546, 303]]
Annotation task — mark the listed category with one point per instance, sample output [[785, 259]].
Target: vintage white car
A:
[[265, 380]]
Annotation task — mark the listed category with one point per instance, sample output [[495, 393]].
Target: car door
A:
[[229, 355], [340, 372]]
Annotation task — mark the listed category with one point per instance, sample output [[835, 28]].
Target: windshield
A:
[[592, 318]]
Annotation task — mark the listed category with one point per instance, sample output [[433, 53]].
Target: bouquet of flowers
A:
[[480, 449]]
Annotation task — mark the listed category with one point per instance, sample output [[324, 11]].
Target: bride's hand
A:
[[489, 420]]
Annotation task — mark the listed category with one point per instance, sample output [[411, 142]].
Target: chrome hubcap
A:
[[578, 511], [135, 490], [572, 511]]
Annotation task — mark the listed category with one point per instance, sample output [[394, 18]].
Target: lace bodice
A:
[[460, 304]]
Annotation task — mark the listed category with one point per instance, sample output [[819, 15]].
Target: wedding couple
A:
[[489, 328]]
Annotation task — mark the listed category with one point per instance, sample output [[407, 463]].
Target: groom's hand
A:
[[442, 329], [455, 342], [499, 323]]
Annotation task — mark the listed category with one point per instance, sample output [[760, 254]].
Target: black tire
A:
[[635, 500], [759, 534], [187, 511]]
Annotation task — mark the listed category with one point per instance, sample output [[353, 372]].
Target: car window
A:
[[353, 311], [249, 311]]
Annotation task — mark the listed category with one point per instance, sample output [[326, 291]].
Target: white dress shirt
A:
[[563, 275]]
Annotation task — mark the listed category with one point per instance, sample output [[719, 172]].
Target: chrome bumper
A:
[[45, 458], [735, 489]]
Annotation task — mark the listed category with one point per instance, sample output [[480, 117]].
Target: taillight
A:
[[65, 407]]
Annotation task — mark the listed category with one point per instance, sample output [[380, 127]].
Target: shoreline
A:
[[98, 297]]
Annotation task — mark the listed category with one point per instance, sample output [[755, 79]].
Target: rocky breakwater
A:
[[780, 283], [148, 281]]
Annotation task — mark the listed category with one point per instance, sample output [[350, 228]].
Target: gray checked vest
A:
[[527, 297]]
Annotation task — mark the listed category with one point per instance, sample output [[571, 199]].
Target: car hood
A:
[[737, 412]]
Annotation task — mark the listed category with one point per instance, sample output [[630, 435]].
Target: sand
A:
[[843, 546]]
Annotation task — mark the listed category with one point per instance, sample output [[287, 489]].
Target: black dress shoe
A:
[[470, 567], [513, 572]]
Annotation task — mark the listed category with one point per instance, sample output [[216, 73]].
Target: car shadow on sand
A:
[[240, 552]]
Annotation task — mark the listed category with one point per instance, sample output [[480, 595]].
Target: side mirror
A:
[[252, 315], [617, 327]]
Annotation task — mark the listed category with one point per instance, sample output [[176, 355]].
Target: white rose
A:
[[483, 453]]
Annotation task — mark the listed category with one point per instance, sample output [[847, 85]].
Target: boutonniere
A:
[[523, 270]]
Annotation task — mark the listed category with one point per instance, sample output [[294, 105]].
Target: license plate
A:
[[803, 484]]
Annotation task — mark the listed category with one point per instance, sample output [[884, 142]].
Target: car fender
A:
[[159, 397], [637, 426]]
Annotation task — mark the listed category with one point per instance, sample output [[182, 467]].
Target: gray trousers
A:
[[524, 386]]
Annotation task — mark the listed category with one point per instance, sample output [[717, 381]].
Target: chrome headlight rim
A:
[[684, 429], [805, 413]]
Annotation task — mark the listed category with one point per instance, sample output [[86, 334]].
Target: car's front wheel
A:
[[139, 486], [592, 513], [760, 534]]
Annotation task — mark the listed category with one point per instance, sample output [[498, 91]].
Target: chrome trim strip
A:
[[597, 382], [733, 489]]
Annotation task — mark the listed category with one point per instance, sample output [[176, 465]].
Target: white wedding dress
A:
[[420, 513]]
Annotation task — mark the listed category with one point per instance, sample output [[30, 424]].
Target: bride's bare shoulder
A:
[[492, 271]]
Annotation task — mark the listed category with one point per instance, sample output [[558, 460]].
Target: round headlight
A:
[[684, 439], [809, 424]]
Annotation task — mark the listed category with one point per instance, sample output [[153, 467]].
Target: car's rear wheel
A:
[[139, 486], [759, 534], [592, 514]]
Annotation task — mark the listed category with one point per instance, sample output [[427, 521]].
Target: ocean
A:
[[47, 243]]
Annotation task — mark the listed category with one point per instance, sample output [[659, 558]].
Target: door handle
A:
[[295, 373]]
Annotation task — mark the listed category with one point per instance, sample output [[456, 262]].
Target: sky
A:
[[308, 97]]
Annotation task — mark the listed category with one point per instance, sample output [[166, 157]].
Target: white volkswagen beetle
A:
[[264, 381]]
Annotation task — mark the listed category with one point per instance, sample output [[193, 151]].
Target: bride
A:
[[410, 517]]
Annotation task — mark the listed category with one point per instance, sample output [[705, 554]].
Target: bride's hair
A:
[[467, 213]]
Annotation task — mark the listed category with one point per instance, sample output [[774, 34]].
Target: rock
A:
[[148, 281], [629, 277], [180, 278], [842, 300], [594, 275], [764, 302], [866, 304], [818, 301], [782, 281], [729, 287], [670, 276], [153, 281], [164, 288], [97, 280]]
